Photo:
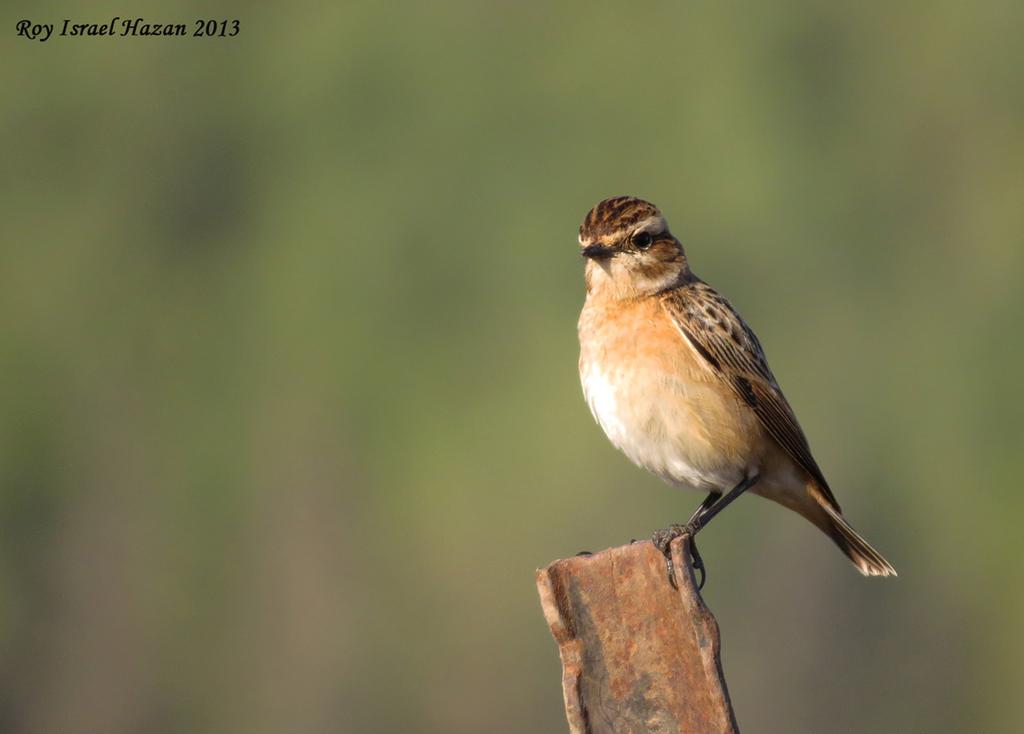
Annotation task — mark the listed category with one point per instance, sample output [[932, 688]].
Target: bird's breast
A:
[[659, 402]]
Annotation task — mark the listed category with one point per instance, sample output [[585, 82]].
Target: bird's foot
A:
[[662, 540], [698, 563]]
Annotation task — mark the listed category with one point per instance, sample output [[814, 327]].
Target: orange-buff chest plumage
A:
[[658, 401]]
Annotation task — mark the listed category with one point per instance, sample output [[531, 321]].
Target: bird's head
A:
[[629, 251]]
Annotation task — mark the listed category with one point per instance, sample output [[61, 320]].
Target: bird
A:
[[680, 384]]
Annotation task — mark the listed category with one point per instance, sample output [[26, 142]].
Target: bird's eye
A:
[[642, 240]]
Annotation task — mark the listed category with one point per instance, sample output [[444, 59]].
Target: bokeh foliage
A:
[[289, 409]]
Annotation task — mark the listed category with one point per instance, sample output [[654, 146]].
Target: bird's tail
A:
[[867, 560]]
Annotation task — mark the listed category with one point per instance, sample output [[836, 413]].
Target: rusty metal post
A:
[[638, 656]]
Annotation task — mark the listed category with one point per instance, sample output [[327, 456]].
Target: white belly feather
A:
[[663, 436]]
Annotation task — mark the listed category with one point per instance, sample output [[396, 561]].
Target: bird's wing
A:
[[732, 350]]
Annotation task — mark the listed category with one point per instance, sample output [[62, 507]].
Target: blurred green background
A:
[[289, 409]]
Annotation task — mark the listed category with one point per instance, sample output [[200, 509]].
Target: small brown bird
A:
[[680, 384]]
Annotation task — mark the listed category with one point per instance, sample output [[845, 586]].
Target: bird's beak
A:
[[597, 252]]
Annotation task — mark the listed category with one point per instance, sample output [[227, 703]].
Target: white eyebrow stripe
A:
[[654, 223]]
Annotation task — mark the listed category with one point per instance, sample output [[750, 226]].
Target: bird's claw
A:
[[698, 563], [662, 540]]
